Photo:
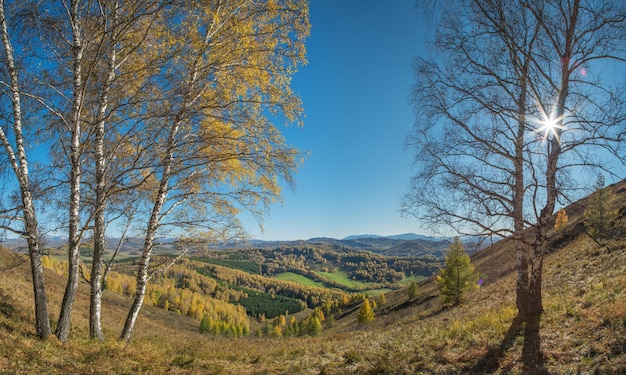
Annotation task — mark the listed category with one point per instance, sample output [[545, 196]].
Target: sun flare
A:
[[549, 125]]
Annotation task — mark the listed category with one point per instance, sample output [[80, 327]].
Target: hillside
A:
[[583, 329]]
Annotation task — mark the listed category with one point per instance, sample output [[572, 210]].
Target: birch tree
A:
[[219, 151], [70, 60], [173, 103], [124, 28], [14, 143], [76, 41], [513, 110]]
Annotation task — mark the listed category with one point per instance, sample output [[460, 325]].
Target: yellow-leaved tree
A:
[[223, 83], [159, 111], [366, 313], [561, 219]]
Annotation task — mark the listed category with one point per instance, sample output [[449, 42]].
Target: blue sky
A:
[[355, 90]]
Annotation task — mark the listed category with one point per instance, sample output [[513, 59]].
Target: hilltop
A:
[[583, 328], [406, 244]]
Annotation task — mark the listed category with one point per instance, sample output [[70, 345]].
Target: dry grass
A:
[[583, 329]]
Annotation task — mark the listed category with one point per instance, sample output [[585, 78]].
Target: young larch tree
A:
[[458, 277], [366, 313]]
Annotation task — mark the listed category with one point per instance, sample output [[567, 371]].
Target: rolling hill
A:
[[583, 328]]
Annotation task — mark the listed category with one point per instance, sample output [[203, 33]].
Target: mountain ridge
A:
[[406, 244]]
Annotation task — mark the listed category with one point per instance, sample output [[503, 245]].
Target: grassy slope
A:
[[583, 328], [290, 276], [342, 277]]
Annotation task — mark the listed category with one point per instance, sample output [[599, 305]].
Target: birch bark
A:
[[19, 163], [74, 238], [95, 306]]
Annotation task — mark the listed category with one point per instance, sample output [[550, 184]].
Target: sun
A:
[[549, 125]]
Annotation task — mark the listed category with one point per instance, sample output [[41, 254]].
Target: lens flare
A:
[[549, 125]]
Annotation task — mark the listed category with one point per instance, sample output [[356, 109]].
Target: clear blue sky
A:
[[355, 90]]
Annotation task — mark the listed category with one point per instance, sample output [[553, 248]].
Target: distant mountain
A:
[[402, 245], [19, 244], [359, 236], [403, 236], [413, 236]]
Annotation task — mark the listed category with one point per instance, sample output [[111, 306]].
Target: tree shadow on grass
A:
[[532, 357]]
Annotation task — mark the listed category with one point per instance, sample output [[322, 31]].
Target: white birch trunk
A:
[[155, 215], [74, 238], [19, 163], [153, 225], [95, 306]]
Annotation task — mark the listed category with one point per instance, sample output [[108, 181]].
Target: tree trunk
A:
[[153, 225], [74, 237], [155, 215], [144, 262], [63, 327], [522, 286], [95, 304], [42, 319], [19, 163], [142, 280]]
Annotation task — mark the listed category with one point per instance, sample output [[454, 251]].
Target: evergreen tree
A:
[[330, 322], [292, 328], [458, 277], [366, 314], [600, 214], [412, 290], [311, 326], [316, 326], [205, 325]]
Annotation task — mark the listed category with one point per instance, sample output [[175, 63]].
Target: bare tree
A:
[[512, 111]]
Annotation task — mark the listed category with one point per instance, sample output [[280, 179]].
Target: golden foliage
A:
[[561, 219], [183, 290], [366, 313]]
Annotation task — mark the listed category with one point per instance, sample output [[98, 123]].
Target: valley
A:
[[263, 282]]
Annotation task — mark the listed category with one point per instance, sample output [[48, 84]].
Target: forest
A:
[[226, 287]]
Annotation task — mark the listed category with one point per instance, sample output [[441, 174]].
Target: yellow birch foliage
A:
[[225, 79]]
